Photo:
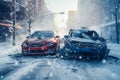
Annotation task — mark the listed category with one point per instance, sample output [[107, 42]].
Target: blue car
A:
[[84, 43]]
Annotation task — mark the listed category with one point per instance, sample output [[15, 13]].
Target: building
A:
[[36, 8], [96, 12], [36, 11], [88, 12], [6, 30], [6, 11], [108, 31], [44, 19], [72, 19]]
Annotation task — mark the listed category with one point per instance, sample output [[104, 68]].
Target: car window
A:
[[42, 35], [85, 35]]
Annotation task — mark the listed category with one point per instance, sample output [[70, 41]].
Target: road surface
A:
[[52, 68]]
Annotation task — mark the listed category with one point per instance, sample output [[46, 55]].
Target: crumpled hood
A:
[[84, 40]]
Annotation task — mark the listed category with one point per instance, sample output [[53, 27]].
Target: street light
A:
[[59, 13], [52, 14]]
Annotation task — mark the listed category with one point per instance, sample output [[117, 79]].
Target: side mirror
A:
[[57, 36], [102, 39], [27, 36], [66, 36]]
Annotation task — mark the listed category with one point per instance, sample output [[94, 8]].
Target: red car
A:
[[41, 42]]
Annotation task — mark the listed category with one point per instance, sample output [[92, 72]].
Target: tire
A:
[[64, 55], [24, 54], [105, 55], [54, 52]]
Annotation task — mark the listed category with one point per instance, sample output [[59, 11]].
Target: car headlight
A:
[[50, 44], [25, 44]]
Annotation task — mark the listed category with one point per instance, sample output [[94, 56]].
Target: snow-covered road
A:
[[52, 68]]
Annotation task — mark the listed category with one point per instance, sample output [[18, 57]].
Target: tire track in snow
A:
[[4, 70], [102, 70], [25, 69]]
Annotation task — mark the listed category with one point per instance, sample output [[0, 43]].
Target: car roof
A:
[[81, 30], [49, 31]]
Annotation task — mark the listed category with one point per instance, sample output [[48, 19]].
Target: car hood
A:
[[85, 40], [36, 41]]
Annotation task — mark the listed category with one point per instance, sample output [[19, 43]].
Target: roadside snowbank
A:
[[22, 71], [7, 49], [114, 49]]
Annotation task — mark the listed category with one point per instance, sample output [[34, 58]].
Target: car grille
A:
[[36, 51], [36, 45], [87, 45]]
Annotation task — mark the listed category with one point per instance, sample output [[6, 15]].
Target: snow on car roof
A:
[[82, 30], [47, 31], [8, 0]]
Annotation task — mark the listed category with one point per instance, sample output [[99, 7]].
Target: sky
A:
[[57, 6]]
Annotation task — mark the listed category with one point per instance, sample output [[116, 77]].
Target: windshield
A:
[[85, 35], [42, 34]]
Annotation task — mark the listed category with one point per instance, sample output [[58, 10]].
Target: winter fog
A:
[[59, 39]]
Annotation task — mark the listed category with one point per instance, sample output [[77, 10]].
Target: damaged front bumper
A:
[[84, 52], [39, 51]]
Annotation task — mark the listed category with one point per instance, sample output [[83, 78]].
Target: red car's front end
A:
[[33, 46]]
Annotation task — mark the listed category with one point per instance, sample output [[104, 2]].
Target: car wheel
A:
[[24, 54], [64, 55], [100, 58], [103, 54], [55, 51]]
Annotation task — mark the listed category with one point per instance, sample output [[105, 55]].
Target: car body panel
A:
[[40, 46], [85, 46]]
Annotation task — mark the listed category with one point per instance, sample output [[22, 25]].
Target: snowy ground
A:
[[52, 68], [7, 49], [114, 49]]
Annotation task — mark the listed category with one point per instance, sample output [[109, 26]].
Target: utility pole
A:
[[117, 29], [116, 20], [14, 21]]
